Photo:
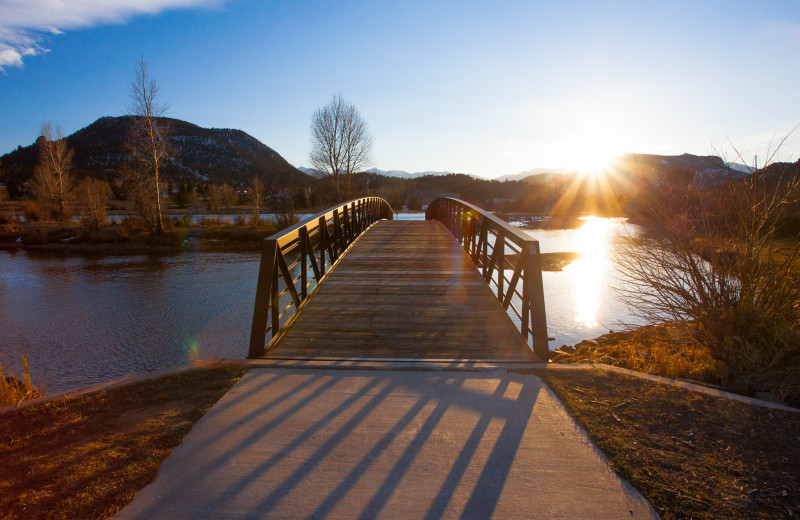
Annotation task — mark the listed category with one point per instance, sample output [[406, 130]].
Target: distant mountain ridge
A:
[[400, 174], [706, 167], [409, 175], [528, 173], [198, 154]]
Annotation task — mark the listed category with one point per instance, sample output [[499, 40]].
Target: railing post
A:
[[266, 278], [534, 294], [337, 226], [485, 249], [500, 242], [304, 242], [324, 244]]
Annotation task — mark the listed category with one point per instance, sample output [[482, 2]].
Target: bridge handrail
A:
[[295, 258], [498, 248]]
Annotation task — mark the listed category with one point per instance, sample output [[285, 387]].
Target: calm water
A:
[[88, 319], [580, 301]]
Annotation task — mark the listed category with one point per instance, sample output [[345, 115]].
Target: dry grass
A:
[[672, 350], [87, 456], [16, 388], [667, 350], [691, 455]]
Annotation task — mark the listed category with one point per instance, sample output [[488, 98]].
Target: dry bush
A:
[[709, 260], [12, 222], [181, 221], [147, 206], [32, 212], [93, 195], [16, 388], [258, 222], [211, 221], [284, 213]]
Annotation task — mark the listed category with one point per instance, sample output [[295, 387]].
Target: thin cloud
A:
[[26, 24]]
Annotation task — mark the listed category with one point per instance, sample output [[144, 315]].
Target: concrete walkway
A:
[[321, 443]]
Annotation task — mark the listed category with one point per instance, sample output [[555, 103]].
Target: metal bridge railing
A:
[[295, 261], [509, 261]]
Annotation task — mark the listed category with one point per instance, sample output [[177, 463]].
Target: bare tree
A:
[[340, 143], [258, 193], [52, 183], [213, 197], [228, 195], [148, 143]]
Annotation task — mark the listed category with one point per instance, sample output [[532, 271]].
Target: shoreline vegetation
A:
[[130, 236], [207, 234], [671, 350]]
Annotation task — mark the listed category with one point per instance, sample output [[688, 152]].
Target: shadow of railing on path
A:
[[402, 414]]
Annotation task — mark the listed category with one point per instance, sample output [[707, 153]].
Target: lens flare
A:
[[192, 349]]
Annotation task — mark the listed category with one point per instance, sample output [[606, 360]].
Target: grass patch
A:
[[672, 350], [691, 455], [87, 456], [666, 350], [15, 388]]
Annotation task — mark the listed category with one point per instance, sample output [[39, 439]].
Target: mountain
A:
[[198, 154], [705, 168], [538, 172], [400, 174], [309, 171], [708, 168], [405, 175]]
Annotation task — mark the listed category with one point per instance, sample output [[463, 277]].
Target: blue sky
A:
[[488, 88]]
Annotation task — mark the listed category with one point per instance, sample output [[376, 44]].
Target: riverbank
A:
[[208, 235], [130, 236]]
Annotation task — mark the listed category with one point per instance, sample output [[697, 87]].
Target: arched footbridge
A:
[[351, 282]]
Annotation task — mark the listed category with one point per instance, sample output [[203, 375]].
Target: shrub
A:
[[258, 222], [181, 221], [16, 388], [11, 224], [32, 212], [710, 260], [93, 195], [212, 221]]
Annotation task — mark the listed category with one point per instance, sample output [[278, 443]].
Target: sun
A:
[[592, 155], [591, 152]]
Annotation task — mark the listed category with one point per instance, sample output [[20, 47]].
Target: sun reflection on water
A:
[[589, 272]]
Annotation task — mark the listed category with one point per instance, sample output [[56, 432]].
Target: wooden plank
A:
[[405, 290]]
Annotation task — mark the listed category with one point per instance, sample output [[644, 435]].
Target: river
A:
[[86, 319]]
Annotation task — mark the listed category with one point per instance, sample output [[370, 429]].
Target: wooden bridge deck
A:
[[406, 289]]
